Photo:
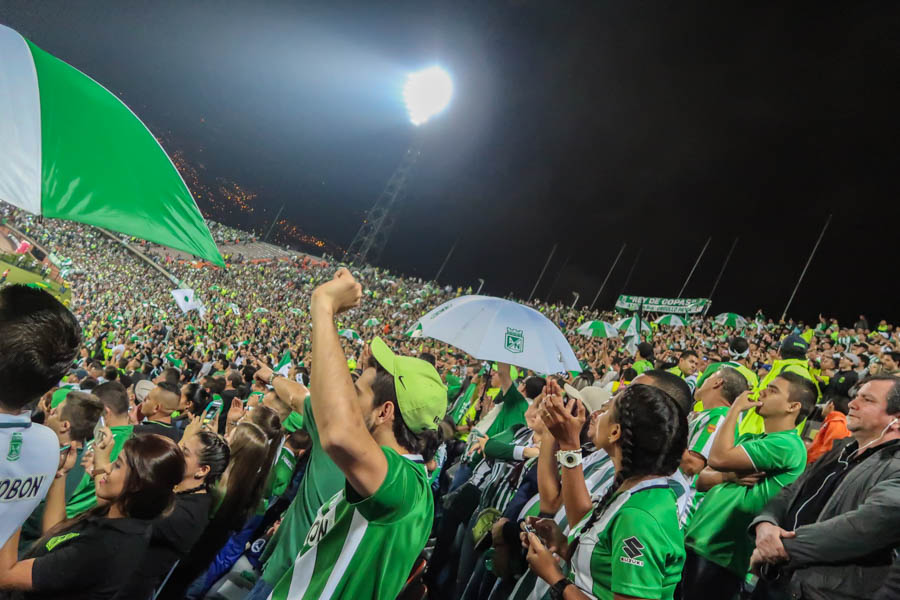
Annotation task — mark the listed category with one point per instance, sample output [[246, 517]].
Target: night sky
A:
[[587, 124]]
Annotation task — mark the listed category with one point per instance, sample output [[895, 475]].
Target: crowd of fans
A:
[[300, 440]]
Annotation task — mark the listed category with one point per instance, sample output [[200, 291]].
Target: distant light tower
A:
[[426, 93]]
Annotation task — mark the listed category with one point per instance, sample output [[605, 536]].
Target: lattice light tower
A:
[[373, 234], [426, 93]]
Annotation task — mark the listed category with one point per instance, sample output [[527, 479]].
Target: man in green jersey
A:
[[379, 431], [115, 415], [718, 392], [718, 546], [322, 480]]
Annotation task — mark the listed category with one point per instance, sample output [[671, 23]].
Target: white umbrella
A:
[[500, 330]]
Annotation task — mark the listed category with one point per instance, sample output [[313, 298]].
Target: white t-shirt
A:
[[29, 457]]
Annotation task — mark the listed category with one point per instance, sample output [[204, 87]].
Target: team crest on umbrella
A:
[[515, 340]]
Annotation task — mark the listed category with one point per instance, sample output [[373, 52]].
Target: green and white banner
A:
[[676, 306]]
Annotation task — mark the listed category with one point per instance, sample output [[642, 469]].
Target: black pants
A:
[[705, 580]]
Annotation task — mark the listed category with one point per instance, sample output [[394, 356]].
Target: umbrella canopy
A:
[[415, 331], [406, 305], [260, 310], [731, 320], [631, 324], [500, 330], [671, 321], [417, 301], [599, 329], [388, 301], [349, 334], [72, 150], [371, 322]]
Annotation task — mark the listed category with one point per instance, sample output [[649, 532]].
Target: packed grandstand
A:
[[531, 478]]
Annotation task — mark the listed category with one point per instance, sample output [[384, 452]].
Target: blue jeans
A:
[[260, 591], [462, 475]]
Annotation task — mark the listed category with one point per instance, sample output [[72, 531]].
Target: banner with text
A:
[[678, 306]]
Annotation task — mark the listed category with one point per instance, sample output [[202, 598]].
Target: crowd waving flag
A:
[[70, 149], [187, 302]]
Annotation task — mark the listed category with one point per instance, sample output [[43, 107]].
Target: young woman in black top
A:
[[206, 456], [92, 555]]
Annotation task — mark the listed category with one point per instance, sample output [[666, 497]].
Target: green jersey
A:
[[635, 547], [718, 530], [512, 411], [284, 470], [84, 497], [365, 547], [322, 480], [702, 429], [599, 473]]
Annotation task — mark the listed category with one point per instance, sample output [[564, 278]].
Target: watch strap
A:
[[558, 589]]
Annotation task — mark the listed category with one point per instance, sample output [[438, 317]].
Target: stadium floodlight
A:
[[426, 93]]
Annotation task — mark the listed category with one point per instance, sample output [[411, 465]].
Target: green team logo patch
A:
[[514, 340], [15, 447], [632, 547]]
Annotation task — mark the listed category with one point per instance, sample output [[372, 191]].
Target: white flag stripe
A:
[[20, 124]]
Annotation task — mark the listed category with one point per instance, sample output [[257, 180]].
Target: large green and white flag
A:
[[69, 149]]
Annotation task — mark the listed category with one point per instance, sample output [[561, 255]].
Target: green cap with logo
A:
[[421, 394], [293, 422]]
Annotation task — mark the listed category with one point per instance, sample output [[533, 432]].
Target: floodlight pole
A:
[[575, 301], [541, 276], [480, 285], [808, 261], [605, 279], [722, 270], [696, 262], [630, 271], [444, 264], [272, 226]]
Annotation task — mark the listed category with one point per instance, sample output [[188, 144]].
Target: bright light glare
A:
[[427, 93]]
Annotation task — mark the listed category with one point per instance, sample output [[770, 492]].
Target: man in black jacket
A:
[[831, 533]]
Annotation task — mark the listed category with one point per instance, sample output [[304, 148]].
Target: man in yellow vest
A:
[[793, 360]]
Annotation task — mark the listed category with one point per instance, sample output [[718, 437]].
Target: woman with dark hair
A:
[[92, 555], [237, 496], [267, 420], [206, 456], [629, 543]]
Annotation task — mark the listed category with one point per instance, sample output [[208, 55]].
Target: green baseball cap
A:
[[293, 422], [58, 396], [421, 394]]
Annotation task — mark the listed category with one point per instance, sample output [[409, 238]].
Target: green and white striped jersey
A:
[[599, 473], [364, 547], [635, 547]]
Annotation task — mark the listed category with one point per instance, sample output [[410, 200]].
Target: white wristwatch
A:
[[569, 458]]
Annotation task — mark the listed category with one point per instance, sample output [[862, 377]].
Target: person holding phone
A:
[[629, 542], [93, 555], [114, 420]]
